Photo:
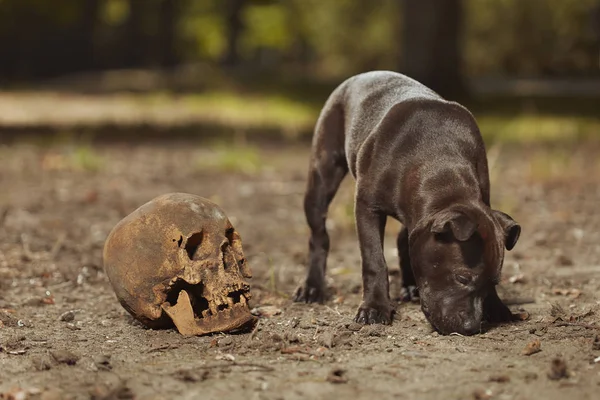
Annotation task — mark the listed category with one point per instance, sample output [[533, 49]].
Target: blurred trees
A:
[[431, 45], [437, 41]]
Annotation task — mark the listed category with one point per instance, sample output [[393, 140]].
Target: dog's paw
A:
[[374, 314], [409, 294], [310, 294]]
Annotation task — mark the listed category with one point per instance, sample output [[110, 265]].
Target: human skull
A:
[[178, 260]]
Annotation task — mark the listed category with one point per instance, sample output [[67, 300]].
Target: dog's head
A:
[[456, 256]]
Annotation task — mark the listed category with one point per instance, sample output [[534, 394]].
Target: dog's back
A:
[[395, 113], [370, 96]]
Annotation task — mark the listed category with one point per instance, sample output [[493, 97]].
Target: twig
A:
[[235, 364], [57, 245], [586, 326], [3, 215], [26, 248], [163, 347], [253, 333], [333, 310]]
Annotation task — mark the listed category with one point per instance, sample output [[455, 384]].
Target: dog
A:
[[420, 159]]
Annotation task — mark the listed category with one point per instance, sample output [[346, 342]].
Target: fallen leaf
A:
[[535, 346]]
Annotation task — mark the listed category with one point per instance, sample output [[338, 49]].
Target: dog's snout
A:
[[469, 324]]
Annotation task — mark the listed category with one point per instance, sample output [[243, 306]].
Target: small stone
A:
[[326, 339], [337, 375], [481, 394], [187, 375], [64, 357], [226, 341], [354, 327], [276, 337], [266, 311], [535, 346], [558, 370], [375, 330], [305, 325], [564, 260], [291, 337], [102, 362], [499, 378], [530, 376], [41, 363], [67, 316], [73, 327], [596, 343]]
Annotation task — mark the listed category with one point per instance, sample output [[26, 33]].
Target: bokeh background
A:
[[528, 69]]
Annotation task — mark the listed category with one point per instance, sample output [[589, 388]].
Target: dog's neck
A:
[[435, 192]]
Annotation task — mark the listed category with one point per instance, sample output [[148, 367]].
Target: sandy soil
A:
[[63, 335]]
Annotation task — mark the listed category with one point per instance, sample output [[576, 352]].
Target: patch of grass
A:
[[231, 158], [65, 153], [247, 110], [550, 164], [532, 128], [506, 203], [507, 120], [85, 158]]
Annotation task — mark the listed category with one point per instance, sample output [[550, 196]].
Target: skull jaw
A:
[[182, 314]]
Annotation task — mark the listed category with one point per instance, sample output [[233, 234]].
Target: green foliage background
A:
[[318, 38]]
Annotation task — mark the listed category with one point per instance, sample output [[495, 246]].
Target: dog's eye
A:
[[465, 280]]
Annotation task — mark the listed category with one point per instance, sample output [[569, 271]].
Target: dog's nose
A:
[[470, 326]]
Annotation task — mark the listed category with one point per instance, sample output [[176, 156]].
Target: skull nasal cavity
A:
[[192, 244], [179, 241], [229, 234]]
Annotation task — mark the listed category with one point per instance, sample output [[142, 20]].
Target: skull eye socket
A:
[[193, 243]]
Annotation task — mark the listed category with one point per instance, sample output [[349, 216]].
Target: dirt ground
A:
[[63, 335]]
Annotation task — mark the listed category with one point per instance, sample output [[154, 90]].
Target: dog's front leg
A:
[[494, 310], [376, 306]]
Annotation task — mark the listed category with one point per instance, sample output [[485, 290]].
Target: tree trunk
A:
[[87, 33], [235, 26], [167, 32], [431, 51], [134, 39]]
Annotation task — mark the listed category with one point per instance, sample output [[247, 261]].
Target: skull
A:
[[178, 260]]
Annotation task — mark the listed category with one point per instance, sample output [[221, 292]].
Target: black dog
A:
[[420, 159]]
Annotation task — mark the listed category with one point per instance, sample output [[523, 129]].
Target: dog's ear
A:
[[461, 226], [511, 229]]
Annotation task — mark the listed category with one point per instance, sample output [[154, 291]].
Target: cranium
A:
[[177, 259]]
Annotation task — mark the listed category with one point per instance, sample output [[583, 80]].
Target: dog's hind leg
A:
[[328, 167]]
